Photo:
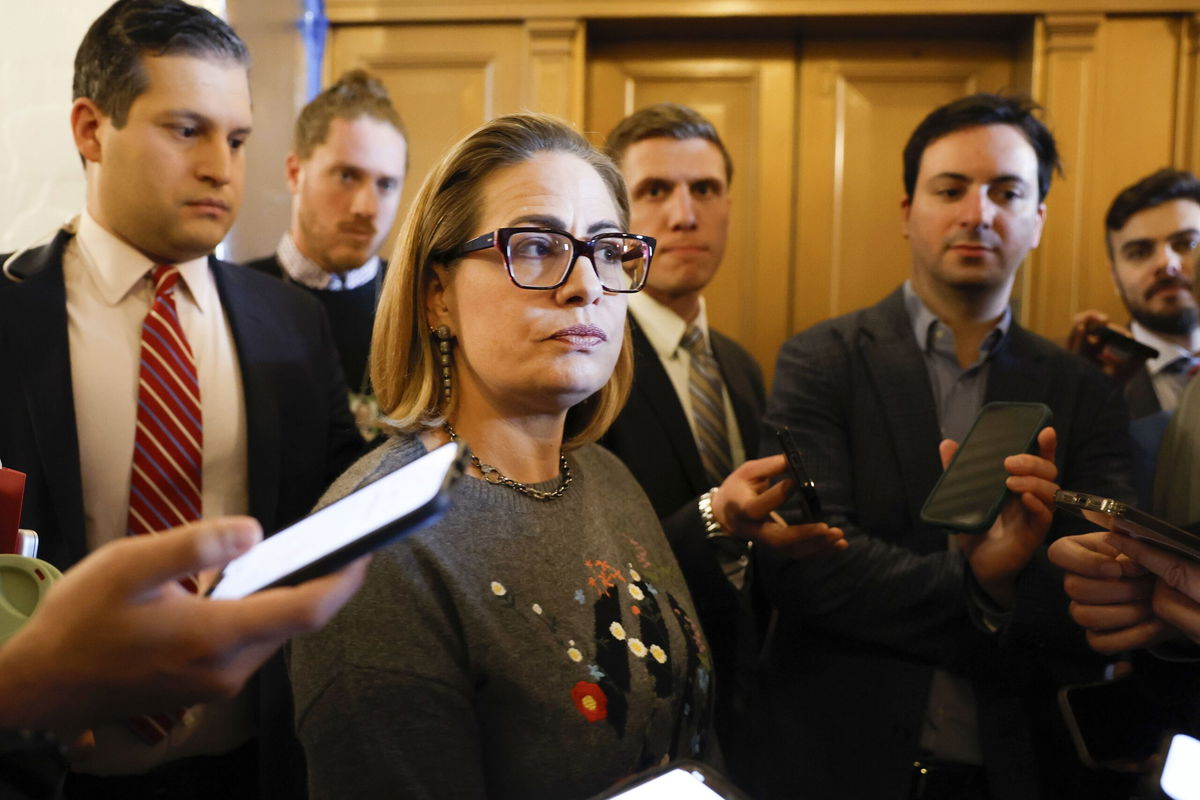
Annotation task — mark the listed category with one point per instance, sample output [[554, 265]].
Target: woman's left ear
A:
[[437, 311]]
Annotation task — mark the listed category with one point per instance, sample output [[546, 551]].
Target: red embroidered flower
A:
[[590, 700]]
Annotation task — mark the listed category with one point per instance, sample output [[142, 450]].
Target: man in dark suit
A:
[[129, 293], [1152, 232], [916, 664], [692, 418], [345, 172]]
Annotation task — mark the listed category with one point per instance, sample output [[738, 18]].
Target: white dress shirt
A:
[[665, 329], [109, 293], [1168, 386]]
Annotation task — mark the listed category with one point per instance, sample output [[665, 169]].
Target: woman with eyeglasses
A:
[[539, 640]]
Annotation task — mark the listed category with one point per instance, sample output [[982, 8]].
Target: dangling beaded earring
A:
[[443, 336]]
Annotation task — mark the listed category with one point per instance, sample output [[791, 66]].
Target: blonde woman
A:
[[539, 641]]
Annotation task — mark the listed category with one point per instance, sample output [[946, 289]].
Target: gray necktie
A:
[[705, 389]]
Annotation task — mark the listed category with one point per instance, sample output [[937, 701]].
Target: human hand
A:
[[999, 554], [1176, 598], [1085, 341], [118, 636], [745, 503], [1111, 595]]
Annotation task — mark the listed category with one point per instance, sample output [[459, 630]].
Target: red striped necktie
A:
[[165, 482]]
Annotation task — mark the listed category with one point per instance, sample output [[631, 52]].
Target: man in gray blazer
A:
[[938, 656]]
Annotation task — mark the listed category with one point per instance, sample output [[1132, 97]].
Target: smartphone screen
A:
[[1113, 721], [398, 503], [1181, 770], [805, 491], [676, 784], [971, 491]]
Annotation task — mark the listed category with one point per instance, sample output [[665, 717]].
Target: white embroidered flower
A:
[[637, 648], [617, 631], [574, 655], [659, 655], [498, 589], [633, 573], [636, 592], [537, 609]]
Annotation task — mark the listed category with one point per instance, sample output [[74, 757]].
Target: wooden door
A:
[[747, 90], [859, 101]]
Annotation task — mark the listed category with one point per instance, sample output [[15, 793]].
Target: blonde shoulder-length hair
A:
[[404, 365]]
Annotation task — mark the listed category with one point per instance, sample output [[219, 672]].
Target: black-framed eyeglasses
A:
[[542, 258]]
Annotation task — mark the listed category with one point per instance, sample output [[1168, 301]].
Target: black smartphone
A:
[[1122, 346], [1180, 775], [804, 491], [1112, 722], [1123, 518], [969, 494], [397, 504], [681, 780]]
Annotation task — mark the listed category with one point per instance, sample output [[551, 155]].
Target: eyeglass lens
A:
[[540, 259]]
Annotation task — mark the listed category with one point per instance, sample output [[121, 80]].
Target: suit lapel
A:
[[35, 315], [1018, 371], [902, 389], [653, 387], [252, 335]]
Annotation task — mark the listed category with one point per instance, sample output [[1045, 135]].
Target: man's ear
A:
[[437, 307], [86, 121], [905, 212], [292, 165]]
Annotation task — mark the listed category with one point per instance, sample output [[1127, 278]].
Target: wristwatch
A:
[[717, 534]]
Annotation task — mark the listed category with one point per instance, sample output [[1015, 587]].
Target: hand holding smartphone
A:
[[397, 504], [805, 490]]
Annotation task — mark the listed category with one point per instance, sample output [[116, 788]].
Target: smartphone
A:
[[1112, 722], [969, 494], [1180, 776], [1121, 346], [1122, 518], [397, 504], [682, 780], [805, 491]]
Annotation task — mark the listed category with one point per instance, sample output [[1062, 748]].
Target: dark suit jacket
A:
[[654, 440], [299, 432], [1140, 395], [863, 630]]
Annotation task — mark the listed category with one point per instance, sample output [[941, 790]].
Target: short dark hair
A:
[[1153, 190], [664, 121], [356, 94], [984, 109], [108, 64]]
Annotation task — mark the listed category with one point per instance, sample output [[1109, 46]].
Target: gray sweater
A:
[[516, 648]]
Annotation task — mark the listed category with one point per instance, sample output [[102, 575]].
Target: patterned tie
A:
[[705, 389], [165, 481]]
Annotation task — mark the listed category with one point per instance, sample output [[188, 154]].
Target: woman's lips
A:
[[582, 336]]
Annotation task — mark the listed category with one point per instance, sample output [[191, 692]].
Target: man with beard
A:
[[345, 172], [1153, 229]]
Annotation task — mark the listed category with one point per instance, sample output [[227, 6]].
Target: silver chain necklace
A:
[[496, 477]]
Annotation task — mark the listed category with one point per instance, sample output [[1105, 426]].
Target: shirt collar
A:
[[662, 326], [1168, 352], [306, 272], [926, 325], [117, 267]]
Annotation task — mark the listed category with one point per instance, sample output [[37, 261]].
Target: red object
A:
[[590, 700], [12, 493]]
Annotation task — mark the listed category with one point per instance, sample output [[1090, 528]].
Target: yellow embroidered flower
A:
[[636, 593], [637, 648], [659, 655], [537, 609], [498, 589], [633, 574], [574, 655], [617, 631]]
